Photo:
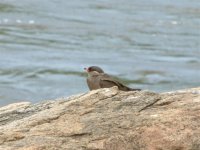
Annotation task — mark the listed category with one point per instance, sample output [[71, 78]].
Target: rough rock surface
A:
[[105, 119]]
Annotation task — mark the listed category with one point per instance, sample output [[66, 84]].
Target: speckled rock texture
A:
[[105, 119]]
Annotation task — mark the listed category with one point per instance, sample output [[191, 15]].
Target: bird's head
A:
[[94, 69]]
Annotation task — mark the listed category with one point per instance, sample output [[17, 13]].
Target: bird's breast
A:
[[93, 82]]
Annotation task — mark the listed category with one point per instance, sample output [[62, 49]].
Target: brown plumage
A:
[[98, 79]]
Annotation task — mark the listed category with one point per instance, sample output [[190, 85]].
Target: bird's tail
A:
[[125, 88], [130, 89]]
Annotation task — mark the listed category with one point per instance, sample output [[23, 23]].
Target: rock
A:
[[105, 119]]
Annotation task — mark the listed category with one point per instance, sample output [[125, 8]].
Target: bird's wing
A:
[[107, 81]]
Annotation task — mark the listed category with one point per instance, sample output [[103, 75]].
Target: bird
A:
[[97, 79]]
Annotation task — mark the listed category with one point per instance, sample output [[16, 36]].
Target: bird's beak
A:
[[86, 69]]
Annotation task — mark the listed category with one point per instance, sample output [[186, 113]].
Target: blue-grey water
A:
[[45, 44]]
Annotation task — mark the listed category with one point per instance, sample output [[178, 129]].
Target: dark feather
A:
[[107, 81]]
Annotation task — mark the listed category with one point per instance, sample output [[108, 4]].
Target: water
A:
[[44, 45]]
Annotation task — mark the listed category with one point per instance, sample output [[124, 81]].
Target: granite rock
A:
[[105, 119]]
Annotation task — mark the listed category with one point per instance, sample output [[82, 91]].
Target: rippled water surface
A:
[[44, 45]]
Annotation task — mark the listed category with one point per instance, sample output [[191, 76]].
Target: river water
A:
[[148, 44]]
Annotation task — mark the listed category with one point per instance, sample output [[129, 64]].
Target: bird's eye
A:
[[89, 69]]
